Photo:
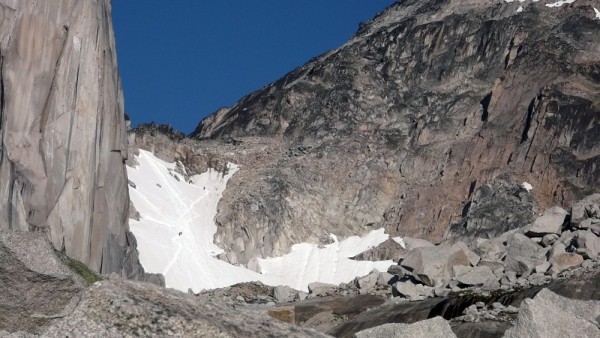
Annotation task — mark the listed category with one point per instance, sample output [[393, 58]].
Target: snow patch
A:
[[520, 9], [597, 13], [527, 186], [400, 241], [176, 230], [308, 263], [560, 3]]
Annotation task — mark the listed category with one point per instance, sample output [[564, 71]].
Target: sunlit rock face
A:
[[398, 128], [62, 130]]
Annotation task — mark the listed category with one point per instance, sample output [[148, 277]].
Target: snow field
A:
[[176, 229]]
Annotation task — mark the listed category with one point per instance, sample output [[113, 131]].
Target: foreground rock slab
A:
[[550, 315], [117, 308], [435, 327]]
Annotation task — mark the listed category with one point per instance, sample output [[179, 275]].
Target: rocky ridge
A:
[[425, 105]]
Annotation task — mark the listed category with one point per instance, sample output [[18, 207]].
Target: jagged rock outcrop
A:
[[427, 103], [62, 131]]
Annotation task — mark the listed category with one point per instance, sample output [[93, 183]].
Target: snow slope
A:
[[169, 206]]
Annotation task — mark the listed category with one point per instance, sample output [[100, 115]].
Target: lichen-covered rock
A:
[[62, 130]]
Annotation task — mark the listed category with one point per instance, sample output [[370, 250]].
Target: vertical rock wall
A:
[[62, 130]]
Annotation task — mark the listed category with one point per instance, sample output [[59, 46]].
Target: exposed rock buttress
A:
[[63, 142]]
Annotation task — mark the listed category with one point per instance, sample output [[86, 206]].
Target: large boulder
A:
[[367, 282], [478, 276], [522, 254], [436, 327], [587, 244], [564, 261], [550, 222], [283, 293], [550, 315], [320, 289], [588, 207], [433, 265]]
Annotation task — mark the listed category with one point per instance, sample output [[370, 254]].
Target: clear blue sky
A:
[[181, 60]]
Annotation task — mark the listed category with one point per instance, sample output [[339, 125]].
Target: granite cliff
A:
[[62, 131], [428, 103]]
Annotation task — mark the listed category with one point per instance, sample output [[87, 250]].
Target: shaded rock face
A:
[[398, 127], [62, 130]]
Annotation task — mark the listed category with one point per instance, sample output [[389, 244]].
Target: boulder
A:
[[434, 327], [586, 208], [549, 239], [367, 282], [542, 267], [405, 289], [587, 244], [473, 257], [411, 291], [491, 250], [433, 265], [564, 261], [459, 270], [522, 255], [549, 223], [550, 315], [283, 293], [557, 248], [566, 237], [320, 289], [397, 270], [521, 266], [496, 267], [385, 278], [478, 276]]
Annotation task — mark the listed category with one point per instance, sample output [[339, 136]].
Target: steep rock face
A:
[[397, 128], [62, 130]]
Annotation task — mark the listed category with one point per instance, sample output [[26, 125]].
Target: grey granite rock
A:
[[587, 244], [564, 261], [118, 308], [550, 315], [433, 265], [477, 276], [284, 293], [320, 289], [367, 282], [435, 327], [550, 222], [62, 130], [584, 209]]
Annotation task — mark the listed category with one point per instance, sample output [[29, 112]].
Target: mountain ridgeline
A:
[[428, 103]]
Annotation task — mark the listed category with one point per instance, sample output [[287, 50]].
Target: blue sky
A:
[[181, 60]]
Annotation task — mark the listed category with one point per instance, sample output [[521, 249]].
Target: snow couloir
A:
[[176, 230]]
